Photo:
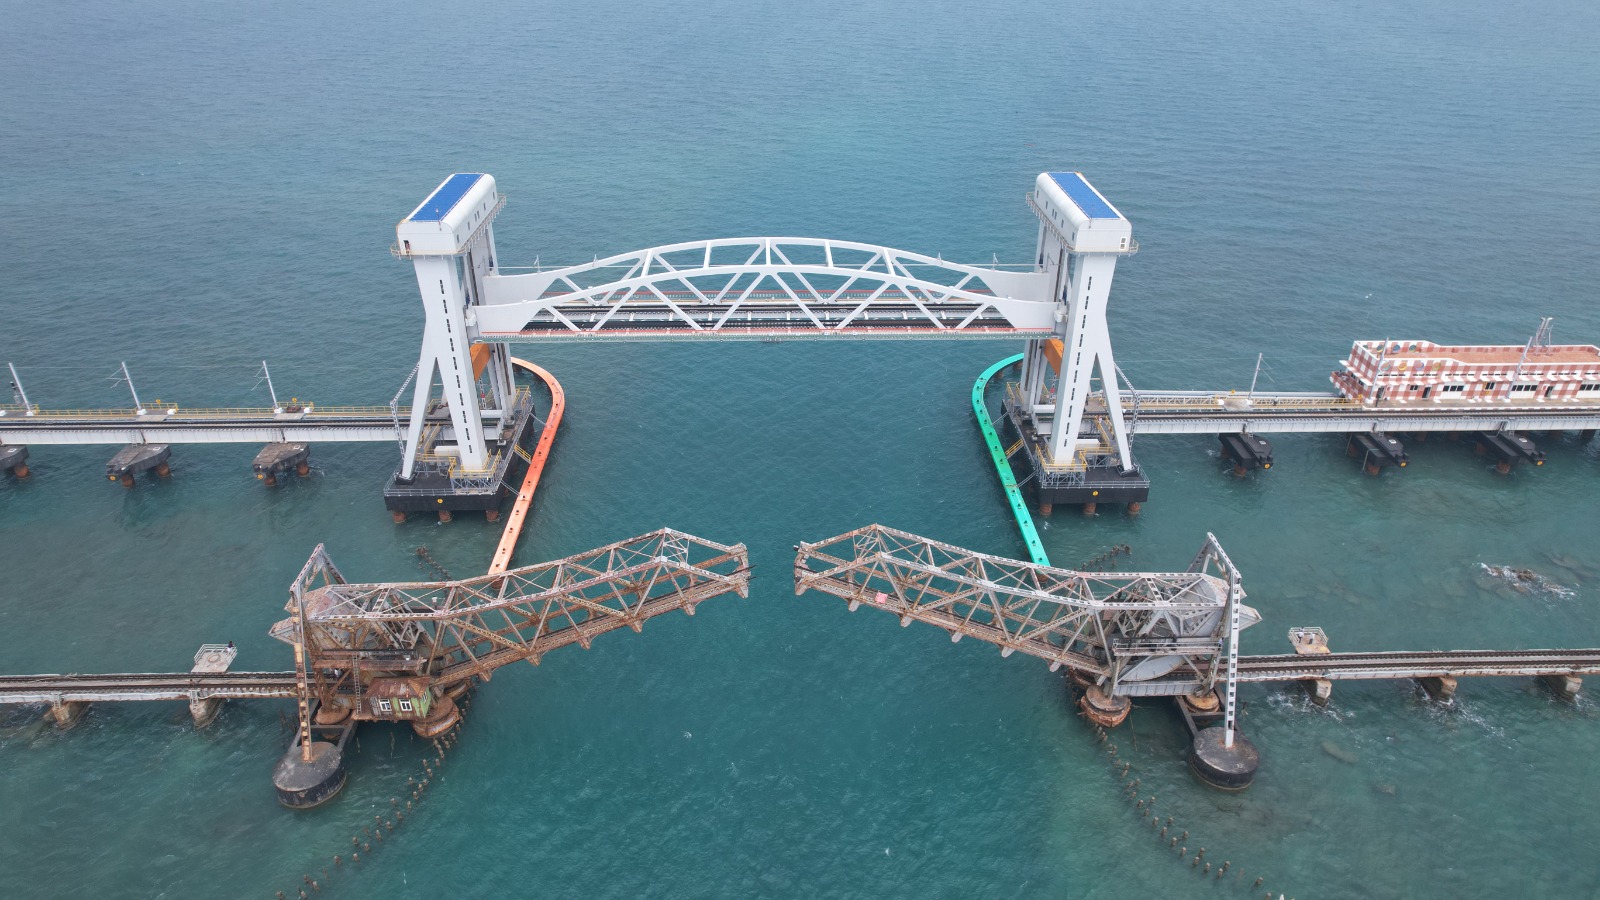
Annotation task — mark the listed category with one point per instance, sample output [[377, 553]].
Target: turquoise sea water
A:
[[193, 187]]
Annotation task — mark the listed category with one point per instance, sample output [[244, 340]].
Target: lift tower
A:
[[1075, 430], [459, 461]]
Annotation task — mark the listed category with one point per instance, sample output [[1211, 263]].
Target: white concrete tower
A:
[[1080, 237], [450, 240]]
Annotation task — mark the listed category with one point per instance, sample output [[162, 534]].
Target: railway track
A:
[[1418, 664], [56, 689]]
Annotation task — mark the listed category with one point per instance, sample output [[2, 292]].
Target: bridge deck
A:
[[1418, 664], [16, 689], [201, 426], [1177, 412]]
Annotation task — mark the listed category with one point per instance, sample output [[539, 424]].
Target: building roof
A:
[[1086, 198], [444, 199]]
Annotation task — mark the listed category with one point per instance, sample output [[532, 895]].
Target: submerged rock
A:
[[1338, 752]]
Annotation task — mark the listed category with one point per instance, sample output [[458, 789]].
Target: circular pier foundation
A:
[[302, 784], [1227, 768], [1104, 709], [441, 718]]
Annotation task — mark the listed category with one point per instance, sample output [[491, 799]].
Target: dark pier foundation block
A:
[[136, 458], [279, 459], [14, 459], [1565, 686]]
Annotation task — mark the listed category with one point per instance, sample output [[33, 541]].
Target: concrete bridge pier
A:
[[1440, 689], [1565, 686], [204, 710], [67, 713]]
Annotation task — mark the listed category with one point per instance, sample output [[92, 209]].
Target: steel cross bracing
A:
[[764, 287], [1140, 634], [450, 631]]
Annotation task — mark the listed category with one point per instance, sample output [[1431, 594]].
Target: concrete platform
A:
[[136, 458], [14, 459]]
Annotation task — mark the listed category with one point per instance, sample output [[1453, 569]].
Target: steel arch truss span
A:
[[1137, 633], [764, 287], [449, 631]]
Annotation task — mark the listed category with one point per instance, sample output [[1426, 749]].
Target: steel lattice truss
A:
[[453, 630], [765, 287], [1138, 633]]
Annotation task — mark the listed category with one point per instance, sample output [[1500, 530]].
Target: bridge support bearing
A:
[[14, 459], [67, 713], [302, 784], [204, 710], [442, 717], [1565, 686], [1102, 708], [1220, 766], [1441, 689]]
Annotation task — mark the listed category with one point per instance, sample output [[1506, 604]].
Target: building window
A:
[[1592, 386], [1524, 388], [405, 706], [1414, 388], [1453, 388], [380, 706], [1488, 385]]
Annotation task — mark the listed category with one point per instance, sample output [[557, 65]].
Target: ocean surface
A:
[[195, 187]]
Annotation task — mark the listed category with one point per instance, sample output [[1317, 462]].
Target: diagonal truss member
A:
[[1138, 634], [347, 637]]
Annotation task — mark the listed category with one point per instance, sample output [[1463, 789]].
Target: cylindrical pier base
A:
[[127, 479], [399, 516], [1134, 507], [1089, 508], [303, 469], [331, 714], [1220, 766], [1045, 508], [163, 470], [1372, 468], [1503, 467], [20, 470], [1104, 709], [492, 515], [1239, 471], [1202, 704], [1081, 679], [303, 784], [270, 479], [441, 718], [444, 515]]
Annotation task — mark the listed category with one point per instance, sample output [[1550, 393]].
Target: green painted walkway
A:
[[1002, 465]]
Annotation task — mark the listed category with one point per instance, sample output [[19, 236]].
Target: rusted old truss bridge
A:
[[404, 651]]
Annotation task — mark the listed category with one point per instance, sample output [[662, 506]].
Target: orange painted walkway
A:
[[530, 482]]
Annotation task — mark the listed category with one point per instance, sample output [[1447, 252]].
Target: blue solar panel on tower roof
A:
[[1092, 204], [445, 198]]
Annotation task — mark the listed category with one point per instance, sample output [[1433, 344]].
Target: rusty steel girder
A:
[[1138, 634], [346, 635]]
